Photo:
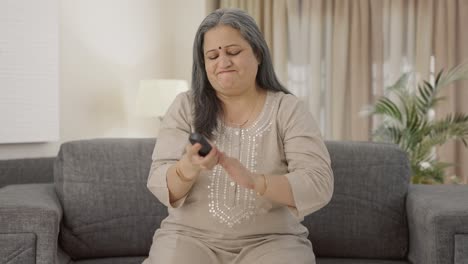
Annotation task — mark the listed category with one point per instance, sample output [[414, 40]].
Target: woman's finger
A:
[[213, 153], [221, 158], [193, 149]]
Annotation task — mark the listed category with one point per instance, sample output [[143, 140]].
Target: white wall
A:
[[29, 61], [106, 47]]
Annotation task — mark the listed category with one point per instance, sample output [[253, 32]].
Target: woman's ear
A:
[[258, 56]]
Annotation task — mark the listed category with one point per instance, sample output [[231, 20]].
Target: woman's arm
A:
[[309, 174], [275, 188], [177, 185], [170, 148], [182, 175]]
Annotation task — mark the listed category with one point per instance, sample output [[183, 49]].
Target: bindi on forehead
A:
[[220, 47]]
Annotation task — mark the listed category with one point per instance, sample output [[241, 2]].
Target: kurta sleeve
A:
[[170, 146], [309, 168]]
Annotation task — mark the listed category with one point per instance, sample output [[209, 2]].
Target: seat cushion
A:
[[366, 217], [358, 261], [122, 260], [107, 209]]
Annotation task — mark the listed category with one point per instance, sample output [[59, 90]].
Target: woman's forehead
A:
[[222, 36]]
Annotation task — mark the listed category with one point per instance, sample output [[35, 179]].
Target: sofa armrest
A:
[[438, 223], [30, 217]]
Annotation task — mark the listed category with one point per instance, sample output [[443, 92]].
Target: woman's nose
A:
[[224, 61]]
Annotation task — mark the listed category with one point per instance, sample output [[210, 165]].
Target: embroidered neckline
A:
[[228, 202]]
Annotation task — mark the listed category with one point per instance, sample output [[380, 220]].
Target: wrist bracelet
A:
[[265, 185], [181, 175]]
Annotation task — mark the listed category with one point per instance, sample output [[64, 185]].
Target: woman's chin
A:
[[226, 83], [227, 87]]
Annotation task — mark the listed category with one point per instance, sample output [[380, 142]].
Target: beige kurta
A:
[[225, 217]]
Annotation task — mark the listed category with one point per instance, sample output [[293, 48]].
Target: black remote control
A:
[[199, 138]]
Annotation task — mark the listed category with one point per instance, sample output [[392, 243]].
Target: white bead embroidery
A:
[[230, 203]]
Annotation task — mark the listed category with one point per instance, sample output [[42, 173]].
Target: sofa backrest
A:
[[29, 170], [366, 217], [107, 209]]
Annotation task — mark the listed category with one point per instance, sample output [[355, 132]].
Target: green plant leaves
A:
[[408, 120], [385, 106]]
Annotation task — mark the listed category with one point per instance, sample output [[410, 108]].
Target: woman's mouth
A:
[[225, 71]]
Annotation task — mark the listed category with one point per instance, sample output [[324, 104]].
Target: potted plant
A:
[[408, 120]]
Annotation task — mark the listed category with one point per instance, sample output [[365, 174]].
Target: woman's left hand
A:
[[238, 173]]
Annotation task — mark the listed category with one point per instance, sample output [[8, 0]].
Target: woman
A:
[[268, 167]]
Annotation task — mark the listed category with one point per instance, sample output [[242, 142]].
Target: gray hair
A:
[[207, 106]]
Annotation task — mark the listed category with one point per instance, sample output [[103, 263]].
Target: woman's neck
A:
[[241, 110]]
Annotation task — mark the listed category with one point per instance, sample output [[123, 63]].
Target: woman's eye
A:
[[235, 52], [212, 57]]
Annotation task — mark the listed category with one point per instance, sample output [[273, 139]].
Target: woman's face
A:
[[230, 64]]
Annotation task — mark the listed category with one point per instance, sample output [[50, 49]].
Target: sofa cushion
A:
[[108, 211], [127, 260], [358, 261], [366, 217]]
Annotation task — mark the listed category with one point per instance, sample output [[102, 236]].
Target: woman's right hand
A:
[[191, 163]]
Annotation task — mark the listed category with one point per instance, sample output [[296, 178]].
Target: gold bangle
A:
[[181, 175], [265, 185]]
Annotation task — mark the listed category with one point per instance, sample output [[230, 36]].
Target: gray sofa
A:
[[98, 210]]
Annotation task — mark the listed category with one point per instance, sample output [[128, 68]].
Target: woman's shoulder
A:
[[183, 100], [181, 106], [184, 97], [285, 101], [288, 107], [179, 113]]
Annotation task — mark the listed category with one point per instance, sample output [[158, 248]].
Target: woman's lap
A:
[[179, 249], [278, 249], [174, 248]]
